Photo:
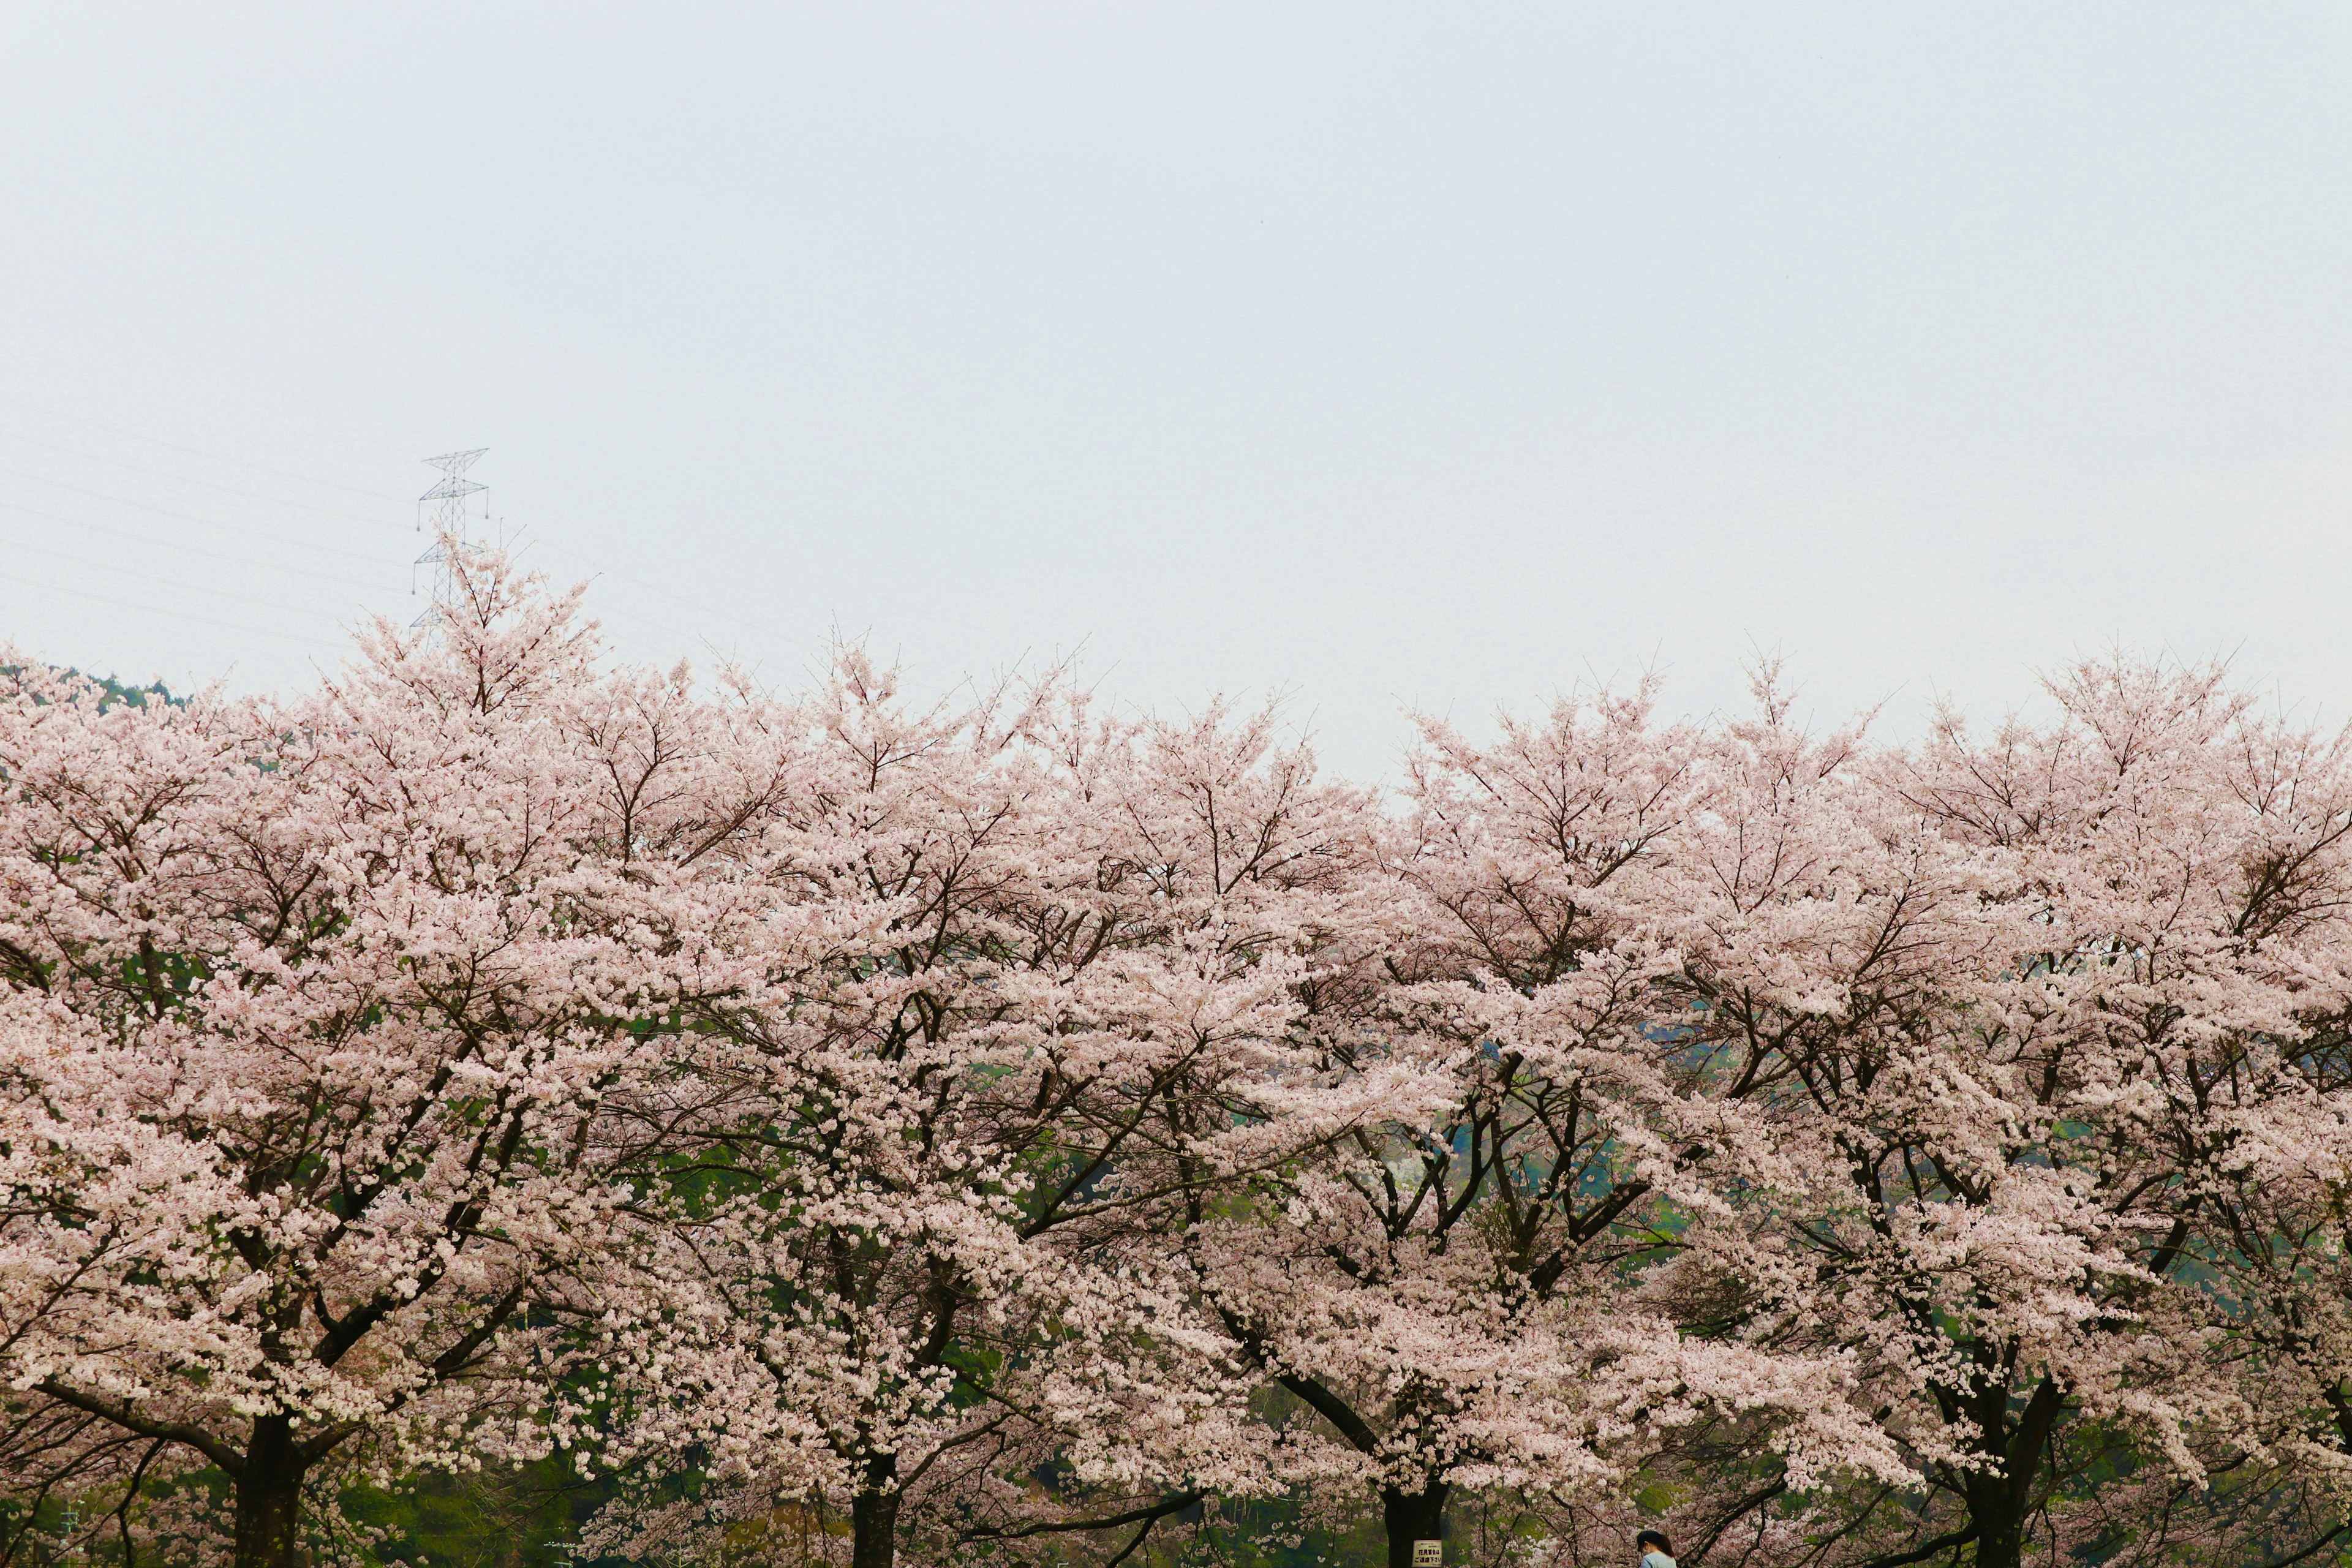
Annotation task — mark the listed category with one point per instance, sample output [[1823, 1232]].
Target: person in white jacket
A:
[[1656, 1552]]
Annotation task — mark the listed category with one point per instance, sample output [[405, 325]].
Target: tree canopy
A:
[[503, 1085]]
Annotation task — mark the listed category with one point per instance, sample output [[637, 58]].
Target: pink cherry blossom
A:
[[1001, 1126]]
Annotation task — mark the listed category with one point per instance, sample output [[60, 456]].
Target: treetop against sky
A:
[[1009, 1127]]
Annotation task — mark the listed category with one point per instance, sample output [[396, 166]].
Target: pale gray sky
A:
[[1441, 355]]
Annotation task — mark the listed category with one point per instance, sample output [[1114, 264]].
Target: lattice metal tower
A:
[[445, 505]]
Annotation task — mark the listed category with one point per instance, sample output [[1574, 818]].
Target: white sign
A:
[[1428, 1554]]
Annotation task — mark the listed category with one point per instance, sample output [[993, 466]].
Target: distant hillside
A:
[[117, 693]]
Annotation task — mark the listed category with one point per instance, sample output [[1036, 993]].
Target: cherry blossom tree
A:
[[1459, 1294], [2219, 859], [995, 1125], [2021, 994], [328, 1029], [921, 1247]]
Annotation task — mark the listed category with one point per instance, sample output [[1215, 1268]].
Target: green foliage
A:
[[113, 692], [492, 1518]]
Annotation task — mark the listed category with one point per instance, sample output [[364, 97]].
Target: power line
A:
[[75, 523], [208, 484], [595, 564], [319, 640], [276, 539], [191, 517], [181, 614], [217, 593], [601, 610], [444, 504], [197, 451]]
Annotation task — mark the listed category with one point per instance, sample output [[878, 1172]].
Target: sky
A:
[[1383, 359]]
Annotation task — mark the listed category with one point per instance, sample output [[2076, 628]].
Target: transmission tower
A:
[[444, 504]]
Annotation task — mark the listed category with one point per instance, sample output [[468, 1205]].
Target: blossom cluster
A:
[[999, 1129]]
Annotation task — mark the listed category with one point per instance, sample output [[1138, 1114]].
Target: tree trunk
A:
[[1997, 1511], [2006, 1550], [270, 1498], [872, 1515], [2001, 1497], [2001, 1528], [1410, 1517]]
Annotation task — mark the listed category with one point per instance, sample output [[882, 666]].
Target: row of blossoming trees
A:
[[999, 1130]]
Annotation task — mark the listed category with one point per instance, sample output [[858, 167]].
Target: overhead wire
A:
[[534, 543], [206, 484], [243, 630], [585, 559], [246, 561], [664, 628], [103, 565], [599, 566], [603, 611], [317, 640], [196, 451], [595, 564], [191, 517]]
